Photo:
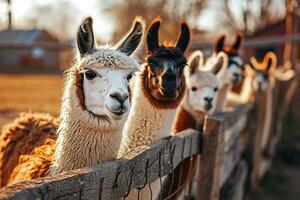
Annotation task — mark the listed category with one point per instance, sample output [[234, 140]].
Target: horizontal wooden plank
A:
[[112, 179]]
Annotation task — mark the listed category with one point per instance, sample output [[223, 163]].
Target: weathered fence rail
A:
[[221, 171]]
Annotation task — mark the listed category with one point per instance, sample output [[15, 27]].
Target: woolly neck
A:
[[148, 120], [83, 139]]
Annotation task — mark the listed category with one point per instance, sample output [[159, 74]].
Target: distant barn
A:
[[32, 50]]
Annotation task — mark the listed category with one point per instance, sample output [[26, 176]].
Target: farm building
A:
[[31, 50]]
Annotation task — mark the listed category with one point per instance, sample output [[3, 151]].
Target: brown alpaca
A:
[[159, 89], [20, 140], [95, 106]]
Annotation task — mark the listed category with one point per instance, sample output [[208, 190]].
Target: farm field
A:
[[22, 93]]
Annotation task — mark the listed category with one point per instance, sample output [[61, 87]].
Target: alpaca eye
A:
[[90, 74], [215, 89], [194, 89], [129, 76]]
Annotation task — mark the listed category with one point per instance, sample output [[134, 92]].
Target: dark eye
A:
[[194, 89], [215, 89], [90, 74], [129, 76]]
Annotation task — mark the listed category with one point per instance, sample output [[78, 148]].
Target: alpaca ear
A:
[[195, 61], [152, 35], [184, 37], [85, 36], [133, 38], [252, 63], [237, 43], [222, 61], [219, 44], [270, 60]]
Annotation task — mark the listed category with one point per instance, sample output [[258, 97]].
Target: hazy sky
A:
[[84, 8], [94, 8]]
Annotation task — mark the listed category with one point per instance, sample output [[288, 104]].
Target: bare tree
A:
[[253, 15], [57, 19], [171, 11]]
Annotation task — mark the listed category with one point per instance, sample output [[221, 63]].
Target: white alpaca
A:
[[158, 90], [95, 102], [106, 71], [202, 90], [200, 99]]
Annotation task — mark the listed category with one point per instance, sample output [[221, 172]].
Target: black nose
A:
[[236, 76], [119, 97], [169, 76], [208, 99]]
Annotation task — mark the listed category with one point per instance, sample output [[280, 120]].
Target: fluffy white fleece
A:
[[83, 138]]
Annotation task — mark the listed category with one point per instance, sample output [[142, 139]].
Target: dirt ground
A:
[[23, 93]]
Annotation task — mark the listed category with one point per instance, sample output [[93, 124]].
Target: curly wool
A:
[[26, 143]]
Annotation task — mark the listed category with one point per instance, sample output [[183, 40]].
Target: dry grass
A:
[[38, 93]]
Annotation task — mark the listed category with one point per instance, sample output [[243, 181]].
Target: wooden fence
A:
[[218, 148]]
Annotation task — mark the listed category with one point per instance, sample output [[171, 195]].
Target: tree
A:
[[252, 15], [171, 11]]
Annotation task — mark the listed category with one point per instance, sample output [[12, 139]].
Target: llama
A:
[[158, 91], [232, 74], [200, 100], [95, 106]]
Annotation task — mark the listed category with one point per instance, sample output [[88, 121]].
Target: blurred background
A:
[[37, 45]]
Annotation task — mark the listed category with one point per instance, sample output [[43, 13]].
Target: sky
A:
[[94, 8], [84, 8]]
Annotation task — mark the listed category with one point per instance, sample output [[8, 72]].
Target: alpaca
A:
[[158, 91], [95, 106], [200, 100], [263, 82], [202, 90], [232, 74]]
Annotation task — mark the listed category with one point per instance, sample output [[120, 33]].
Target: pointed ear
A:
[[152, 35], [270, 60], [184, 37], [195, 61], [237, 43], [222, 61], [219, 44], [85, 36], [252, 63], [133, 38]]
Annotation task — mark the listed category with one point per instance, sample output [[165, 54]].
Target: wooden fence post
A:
[[208, 178]]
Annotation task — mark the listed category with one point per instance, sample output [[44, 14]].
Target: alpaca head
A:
[[164, 79], [262, 71], [202, 82], [235, 68], [104, 72]]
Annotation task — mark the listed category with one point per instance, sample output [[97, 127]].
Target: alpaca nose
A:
[[236, 76], [169, 76], [208, 99], [120, 97]]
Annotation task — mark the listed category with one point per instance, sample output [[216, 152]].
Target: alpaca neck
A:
[[268, 113], [246, 94], [222, 98], [83, 139], [187, 117], [147, 122]]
